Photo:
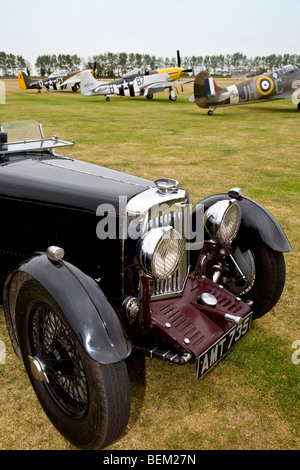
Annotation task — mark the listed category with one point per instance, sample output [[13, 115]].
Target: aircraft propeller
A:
[[93, 68], [179, 63]]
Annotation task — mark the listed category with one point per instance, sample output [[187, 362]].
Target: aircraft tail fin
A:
[[23, 78], [25, 83], [204, 87], [211, 86], [88, 82]]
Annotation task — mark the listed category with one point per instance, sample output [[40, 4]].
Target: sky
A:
[[157, 27]]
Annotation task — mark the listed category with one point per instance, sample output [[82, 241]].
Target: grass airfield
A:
[[250, 400]]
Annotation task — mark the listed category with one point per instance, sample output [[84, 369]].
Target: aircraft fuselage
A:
[[279, 84]]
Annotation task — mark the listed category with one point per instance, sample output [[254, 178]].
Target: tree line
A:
[[111, 65]]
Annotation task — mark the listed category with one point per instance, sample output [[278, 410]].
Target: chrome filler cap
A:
[[208, 299], [166, 185]]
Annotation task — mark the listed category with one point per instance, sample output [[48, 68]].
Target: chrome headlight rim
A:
[[160, 251], [222, 221]]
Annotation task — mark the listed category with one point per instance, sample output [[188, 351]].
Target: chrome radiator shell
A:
[[175, 283], [155, 209]]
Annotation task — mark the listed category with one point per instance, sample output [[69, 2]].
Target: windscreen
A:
[[22, 130]]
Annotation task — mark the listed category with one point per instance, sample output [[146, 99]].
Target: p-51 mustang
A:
[[141, 85], [60, 80], [134, 83], [279, 84]]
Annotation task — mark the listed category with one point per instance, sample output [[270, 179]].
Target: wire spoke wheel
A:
[[52, 343], [87, 401]]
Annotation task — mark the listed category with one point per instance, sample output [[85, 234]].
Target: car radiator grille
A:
[[175, 283]]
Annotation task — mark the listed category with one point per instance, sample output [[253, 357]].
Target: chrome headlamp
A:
[[222, 220], [160, 251]]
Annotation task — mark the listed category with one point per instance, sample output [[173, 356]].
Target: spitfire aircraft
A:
[[60, 80], [279, 84], [134, 83]]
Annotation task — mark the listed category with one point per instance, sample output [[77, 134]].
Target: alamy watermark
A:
[[296, 354], [296, 93], [2, 353], [2, 92], [116, 223]]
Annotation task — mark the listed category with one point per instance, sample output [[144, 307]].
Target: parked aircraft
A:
[[278, 84], [59, 80], [141, 85], [135, 83]]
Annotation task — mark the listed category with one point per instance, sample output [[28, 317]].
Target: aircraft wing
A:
[[159, 86], [181, 82]]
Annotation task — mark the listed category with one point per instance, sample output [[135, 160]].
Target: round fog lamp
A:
[[222, 220]]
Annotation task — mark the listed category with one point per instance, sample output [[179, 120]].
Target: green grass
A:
[[250, 400]]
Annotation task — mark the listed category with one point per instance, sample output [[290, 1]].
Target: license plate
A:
[[216, 351]]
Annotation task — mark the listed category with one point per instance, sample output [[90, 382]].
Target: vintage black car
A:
[[96, 264]]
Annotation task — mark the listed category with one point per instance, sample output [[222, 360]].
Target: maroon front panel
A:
[[190, 325]]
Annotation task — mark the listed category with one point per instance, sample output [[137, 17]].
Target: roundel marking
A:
[[265, 85]]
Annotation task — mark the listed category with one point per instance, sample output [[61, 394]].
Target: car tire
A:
[[267, 278], [88, 402]]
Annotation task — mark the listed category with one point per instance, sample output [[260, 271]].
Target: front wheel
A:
[[88, 402], [257, 274]]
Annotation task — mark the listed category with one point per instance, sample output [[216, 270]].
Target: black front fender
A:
[[92, 318], [257, 224]]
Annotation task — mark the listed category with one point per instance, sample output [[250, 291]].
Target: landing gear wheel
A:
[[88, 402], [107, 98], [149, 96], [172, 96], [299, 106], [210, 112], [264, 269]]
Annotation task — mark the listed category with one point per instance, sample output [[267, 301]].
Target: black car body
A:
[[96, 264]]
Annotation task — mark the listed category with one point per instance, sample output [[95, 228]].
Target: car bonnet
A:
[[68, 182]]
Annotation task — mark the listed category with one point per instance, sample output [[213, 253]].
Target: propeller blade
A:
[[179, 63], [94, 70]]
